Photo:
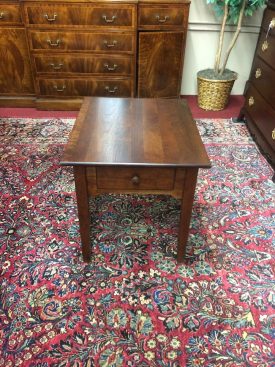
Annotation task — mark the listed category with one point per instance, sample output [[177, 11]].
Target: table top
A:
[[135, 132]]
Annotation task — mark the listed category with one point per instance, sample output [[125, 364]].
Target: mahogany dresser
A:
[[259, 108], [71, 49]]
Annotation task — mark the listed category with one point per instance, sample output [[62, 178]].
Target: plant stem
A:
[[234, 39], [219, 51]]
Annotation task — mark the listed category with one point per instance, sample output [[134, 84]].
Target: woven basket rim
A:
[[218, 80]]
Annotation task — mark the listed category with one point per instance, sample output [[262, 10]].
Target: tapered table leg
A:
[[83, 210], [189, 187]]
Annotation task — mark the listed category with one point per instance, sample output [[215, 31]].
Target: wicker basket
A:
[[213, 95]]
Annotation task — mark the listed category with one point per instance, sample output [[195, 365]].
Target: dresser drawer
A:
[[139, 178], [84, 64], [81, 41], [263, 78], [85, 87], [262, 114], [266, 49], [109, 15], [269, 21], [162, 16], [10, 14]]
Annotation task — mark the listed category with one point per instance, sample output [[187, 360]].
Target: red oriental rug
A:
[[133, 305]]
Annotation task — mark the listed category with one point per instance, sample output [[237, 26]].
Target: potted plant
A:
[[215, 85]]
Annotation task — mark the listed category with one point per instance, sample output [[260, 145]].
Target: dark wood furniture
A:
[[77, 48], [128, 145], [259, 108], [161, 41], [16, 82]]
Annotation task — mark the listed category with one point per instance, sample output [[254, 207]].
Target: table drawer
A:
[[81, 41], [109, 15], [265, 48], [82, 64], [139, 178], [263, 78], [262, 114], [10, 14], [162, 16], [85, 87]]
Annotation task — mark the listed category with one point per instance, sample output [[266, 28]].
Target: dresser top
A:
[[271, 4], [111, 1]]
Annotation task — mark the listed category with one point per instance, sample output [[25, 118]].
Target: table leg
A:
[[82, 196], [188, 192]]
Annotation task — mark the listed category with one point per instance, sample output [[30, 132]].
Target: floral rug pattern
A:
[[133, 305]]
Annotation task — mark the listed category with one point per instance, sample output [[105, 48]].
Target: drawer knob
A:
[[258, 73], [110, 68], [251, 101], [162, 20], [264, 46], [273, 134], [54, 44], [135, 180], [60, 89], [50, 18], [113, 44], [2, 15], [111, 20], [56, 66], [109, 90]]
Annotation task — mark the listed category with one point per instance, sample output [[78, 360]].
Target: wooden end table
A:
[[129, 145]]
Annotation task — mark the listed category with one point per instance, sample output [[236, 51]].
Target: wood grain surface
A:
[[128, 131], [160, 63]]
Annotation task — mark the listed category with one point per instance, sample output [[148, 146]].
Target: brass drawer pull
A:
[[135, 180], [251, 101], [49, 19], [110, 68], [273, 134], [264, 46], [162, 20], [107, 88], [110, 44], [2, 15], [104, 17], [54, 44], [56, 66], [258, 73], [60, 89]]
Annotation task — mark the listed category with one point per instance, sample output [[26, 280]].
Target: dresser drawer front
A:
[[86, 15], [85, 87], [162, 17], [269, 21], [10, 14], [263, 78], [128, 178], [82, 41], [114, 16], [104, 65], [262, 114], [266, 49]]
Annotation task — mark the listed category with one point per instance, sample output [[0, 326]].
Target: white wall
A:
[[201, 44]]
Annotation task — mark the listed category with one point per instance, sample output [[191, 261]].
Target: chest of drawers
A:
[[84, 49], [77, 48], [259, 108]]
